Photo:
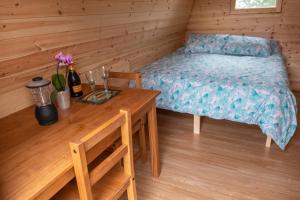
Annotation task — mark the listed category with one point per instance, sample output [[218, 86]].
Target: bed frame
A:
[[197, 130]]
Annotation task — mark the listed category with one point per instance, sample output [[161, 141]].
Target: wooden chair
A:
[[139, 126], [107, 180]]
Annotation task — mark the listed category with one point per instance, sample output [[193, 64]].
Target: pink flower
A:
[[66, 59], [59, 56]]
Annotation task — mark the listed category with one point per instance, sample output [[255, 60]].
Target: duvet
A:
[[246, 89]]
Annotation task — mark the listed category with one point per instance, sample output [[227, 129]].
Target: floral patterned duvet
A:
[[246, 89]]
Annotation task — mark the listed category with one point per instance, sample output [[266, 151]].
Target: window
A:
[[255, 6]]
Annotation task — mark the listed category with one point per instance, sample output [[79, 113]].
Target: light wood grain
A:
[[138, 127], [197, 124], [43, 150], [86, 179], [153, 140], [268, 141], [94, 32], [81, 171], [213, 16], [142, 140], [136, 77], [128, 158], [226, 161], [98, 172], [116, 178]]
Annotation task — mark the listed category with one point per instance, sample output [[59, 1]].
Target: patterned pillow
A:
[[247, 46], [198, 43]]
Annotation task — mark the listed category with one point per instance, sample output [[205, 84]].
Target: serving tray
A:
[[101, 96]]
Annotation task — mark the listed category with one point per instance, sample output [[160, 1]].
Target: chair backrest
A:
[[135, 76], [122, 66], [119, 75], [85, 179]]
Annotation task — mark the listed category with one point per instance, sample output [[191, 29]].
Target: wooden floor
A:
[[227, 161]]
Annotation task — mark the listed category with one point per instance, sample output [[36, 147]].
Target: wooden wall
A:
[[213, 16], [93, 31]]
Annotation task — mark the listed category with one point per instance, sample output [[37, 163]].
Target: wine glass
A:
[[105, 76], [91, 78]]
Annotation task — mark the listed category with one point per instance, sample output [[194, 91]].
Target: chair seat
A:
[[111, 186]]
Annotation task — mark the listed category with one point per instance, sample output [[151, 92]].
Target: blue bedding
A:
[[246, 89]]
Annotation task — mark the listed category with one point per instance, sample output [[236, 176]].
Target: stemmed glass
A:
[[91, 78], [105, 76]]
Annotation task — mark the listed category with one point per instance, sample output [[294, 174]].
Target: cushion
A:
[[198, 43], [247, 46]]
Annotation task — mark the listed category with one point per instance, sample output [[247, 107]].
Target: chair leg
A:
[[269, 141], [142, 140]]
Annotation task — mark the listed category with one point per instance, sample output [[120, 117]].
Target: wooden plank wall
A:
[[213, 16], [94, 32]]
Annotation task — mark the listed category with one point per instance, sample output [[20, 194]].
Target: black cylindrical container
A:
[[46, 115]]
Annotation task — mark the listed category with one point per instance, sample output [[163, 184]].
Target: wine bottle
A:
[[74, 82]]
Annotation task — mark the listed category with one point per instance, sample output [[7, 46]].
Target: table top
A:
[[31, 155]]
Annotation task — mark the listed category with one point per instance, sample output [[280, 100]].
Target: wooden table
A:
[[35, 160]]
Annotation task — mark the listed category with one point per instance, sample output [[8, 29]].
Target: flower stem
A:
[[57, 73]]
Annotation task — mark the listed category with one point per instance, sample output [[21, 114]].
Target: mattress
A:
[[252, 90]]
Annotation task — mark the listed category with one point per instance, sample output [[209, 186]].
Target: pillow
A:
[[247, 46], [198, 43]]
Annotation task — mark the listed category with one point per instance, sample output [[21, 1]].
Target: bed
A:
[[247, 89]]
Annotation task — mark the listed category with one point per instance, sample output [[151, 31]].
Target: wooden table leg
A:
[[153, 137]]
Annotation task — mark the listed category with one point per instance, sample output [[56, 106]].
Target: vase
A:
[[63, 99]]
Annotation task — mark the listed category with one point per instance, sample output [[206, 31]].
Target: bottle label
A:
[[77, 88]]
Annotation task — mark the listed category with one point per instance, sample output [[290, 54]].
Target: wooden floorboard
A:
[[228, 160]]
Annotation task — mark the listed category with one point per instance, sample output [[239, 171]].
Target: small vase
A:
[[63, 99]]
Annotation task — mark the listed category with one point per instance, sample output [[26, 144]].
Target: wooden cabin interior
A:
[[149, 99]]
